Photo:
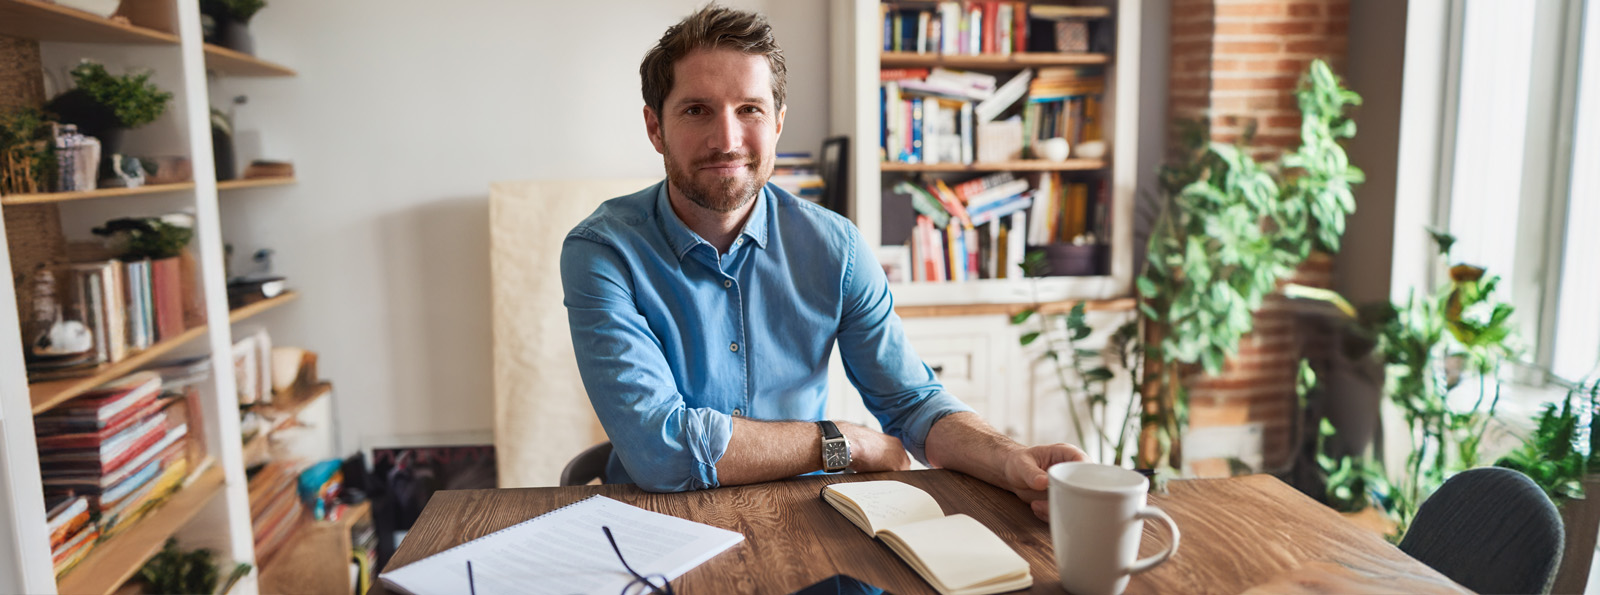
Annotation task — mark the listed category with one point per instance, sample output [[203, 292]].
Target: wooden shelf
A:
[[1023, 165], [253, 183], [28, 199], [48, 394], [44, 21], [115, 560], [354, 514], [234, 63], [989, 61], [1061, 307]]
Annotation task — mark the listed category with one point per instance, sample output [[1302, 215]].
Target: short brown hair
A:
[[712, 27]]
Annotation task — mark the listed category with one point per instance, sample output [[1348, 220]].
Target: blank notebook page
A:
[[565, 551]]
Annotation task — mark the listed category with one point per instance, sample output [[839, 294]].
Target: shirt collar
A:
[[682, 239]]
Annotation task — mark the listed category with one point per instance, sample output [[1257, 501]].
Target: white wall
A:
[[401, 116]]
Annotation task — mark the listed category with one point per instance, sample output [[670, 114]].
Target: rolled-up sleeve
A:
[[664, 445], [896, 386]]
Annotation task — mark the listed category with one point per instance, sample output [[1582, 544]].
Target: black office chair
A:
[[588, 465], [1490, 529]]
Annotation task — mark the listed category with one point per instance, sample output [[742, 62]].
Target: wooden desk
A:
[[1238, 534]]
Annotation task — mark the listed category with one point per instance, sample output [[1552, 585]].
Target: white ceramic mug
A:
[[1097, 516]]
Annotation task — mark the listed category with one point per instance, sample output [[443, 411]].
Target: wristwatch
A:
[[835, 449]]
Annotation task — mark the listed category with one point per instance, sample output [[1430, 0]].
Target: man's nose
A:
[[727, 132]]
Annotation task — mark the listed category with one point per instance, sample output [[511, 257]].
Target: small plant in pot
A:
[[227, 23], [103, 105]]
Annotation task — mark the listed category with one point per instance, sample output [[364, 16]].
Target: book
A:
[[566, 551], [956, 554]]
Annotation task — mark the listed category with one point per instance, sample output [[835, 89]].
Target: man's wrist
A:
[[836, 447]]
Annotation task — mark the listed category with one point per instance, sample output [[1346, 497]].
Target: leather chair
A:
[[589, 465]]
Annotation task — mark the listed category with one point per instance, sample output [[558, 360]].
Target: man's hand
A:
[[1025, 473], [872, 451], [964, 442]]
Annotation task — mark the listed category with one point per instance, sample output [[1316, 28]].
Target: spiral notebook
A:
[[565, 551]]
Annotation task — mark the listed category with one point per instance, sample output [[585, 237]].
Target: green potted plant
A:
[[1552, 455], [27, 159], [103, 105], [227, 23]]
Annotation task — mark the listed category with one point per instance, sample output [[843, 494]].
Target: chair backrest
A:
[[588, 465], [1490, 529]]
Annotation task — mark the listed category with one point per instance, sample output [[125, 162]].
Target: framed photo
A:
[[896, 262]]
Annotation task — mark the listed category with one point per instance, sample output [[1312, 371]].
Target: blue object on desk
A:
[[841, 584]]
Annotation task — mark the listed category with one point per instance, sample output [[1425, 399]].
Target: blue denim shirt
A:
[[673, 340]]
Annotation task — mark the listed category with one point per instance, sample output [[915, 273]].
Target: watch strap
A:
[[830, 431]]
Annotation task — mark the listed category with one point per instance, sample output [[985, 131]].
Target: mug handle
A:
[[1151, 512]]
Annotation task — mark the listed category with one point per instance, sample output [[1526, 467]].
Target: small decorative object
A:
[[77, 159], [226, 23], [1054, 149], [1000, 141], [1091, 149], [1072, 35], [103, 106], [125, 172], [58, 340]]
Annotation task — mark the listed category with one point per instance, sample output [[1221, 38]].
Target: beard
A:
[[722, 194]]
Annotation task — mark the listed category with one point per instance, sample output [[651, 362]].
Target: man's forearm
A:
[[964, 442], [767, 450]]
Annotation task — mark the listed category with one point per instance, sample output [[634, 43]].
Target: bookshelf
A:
[[962, 330], [857, 27], [212, 509]]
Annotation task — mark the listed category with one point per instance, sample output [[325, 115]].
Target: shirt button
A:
[[733, 346], [739, 242], [727, 283], [737, 412]]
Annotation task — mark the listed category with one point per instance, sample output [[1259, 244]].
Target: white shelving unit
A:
[[213, 511], [856, 33]]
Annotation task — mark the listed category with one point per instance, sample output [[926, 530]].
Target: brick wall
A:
[[1239, 61]]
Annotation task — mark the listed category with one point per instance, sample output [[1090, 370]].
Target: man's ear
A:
[[781, 111], [652, 127]]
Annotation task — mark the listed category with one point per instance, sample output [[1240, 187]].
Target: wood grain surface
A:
[[1238, 533]]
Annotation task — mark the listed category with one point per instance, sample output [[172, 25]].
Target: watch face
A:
[[837, 455]]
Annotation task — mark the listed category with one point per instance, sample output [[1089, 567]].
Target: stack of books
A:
[[932, 115], [71, 533], [118, 446], [985, 27], [797, 173], [981, 228], [275, 508]]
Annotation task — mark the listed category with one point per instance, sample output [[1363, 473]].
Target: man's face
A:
[[718, 129]]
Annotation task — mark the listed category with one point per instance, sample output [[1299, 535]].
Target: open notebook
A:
[[956, 554], [565, 551]]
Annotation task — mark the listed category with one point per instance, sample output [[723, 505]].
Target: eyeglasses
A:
[[655, 583]]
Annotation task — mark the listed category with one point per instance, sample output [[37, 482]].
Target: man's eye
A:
[[750, 109], [694, 111]]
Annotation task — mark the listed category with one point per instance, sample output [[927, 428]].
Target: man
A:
[[704, 309]]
